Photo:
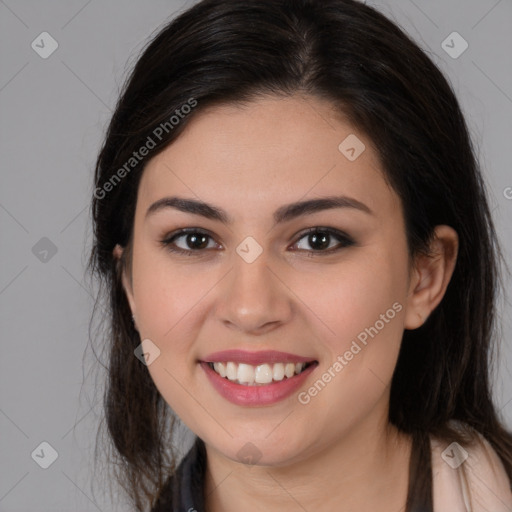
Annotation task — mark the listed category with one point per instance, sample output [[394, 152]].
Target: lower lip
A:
[[256, 395]]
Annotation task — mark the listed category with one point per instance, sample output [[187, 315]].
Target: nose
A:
[[253, 298]]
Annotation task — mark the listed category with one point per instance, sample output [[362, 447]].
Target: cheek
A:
[[168, 304], [352, 299], [168, 300], [173, 301], [360, 309], [362, 303]]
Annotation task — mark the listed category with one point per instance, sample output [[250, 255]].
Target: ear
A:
[[431, 276], [118, 253]]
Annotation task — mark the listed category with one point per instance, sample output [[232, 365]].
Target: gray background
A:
[[53, 115]]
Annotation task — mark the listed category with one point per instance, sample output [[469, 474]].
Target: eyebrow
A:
[[282, 214]]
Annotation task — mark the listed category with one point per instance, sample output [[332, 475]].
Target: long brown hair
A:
[[347, 52]]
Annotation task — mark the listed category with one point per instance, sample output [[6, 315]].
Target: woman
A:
[[294, 271]]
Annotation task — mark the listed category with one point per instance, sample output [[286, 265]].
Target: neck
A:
[[366, 469]]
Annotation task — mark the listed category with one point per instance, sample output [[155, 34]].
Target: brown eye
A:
[[191, 240], [320, 240]]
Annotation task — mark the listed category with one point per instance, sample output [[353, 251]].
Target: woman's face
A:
[[258, 282]]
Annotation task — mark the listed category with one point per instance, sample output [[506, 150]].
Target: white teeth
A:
[[278, 371], [289, 369], [220, 368], [245, 373], [257, 375], [263, 374], [231, 371]]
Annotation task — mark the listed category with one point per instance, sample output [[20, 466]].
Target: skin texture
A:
[[250, 160]]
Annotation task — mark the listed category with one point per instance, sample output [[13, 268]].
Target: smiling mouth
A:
[[258, 375]]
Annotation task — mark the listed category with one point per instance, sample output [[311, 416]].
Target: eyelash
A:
[[344, 239]]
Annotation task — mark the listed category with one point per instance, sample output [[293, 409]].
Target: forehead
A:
[[254, 157]]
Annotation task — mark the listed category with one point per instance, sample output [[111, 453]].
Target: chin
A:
[[262, 450]]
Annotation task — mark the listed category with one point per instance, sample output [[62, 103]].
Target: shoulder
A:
[[469, 477]]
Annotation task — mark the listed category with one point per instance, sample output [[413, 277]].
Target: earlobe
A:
[[431, 277], [118, 255]]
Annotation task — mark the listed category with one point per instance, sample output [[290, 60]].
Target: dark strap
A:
[[185, 491]]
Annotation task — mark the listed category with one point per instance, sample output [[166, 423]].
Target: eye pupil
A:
[[319, 241], [193, 238]]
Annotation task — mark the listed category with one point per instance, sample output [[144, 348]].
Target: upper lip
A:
[[255, 358]]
